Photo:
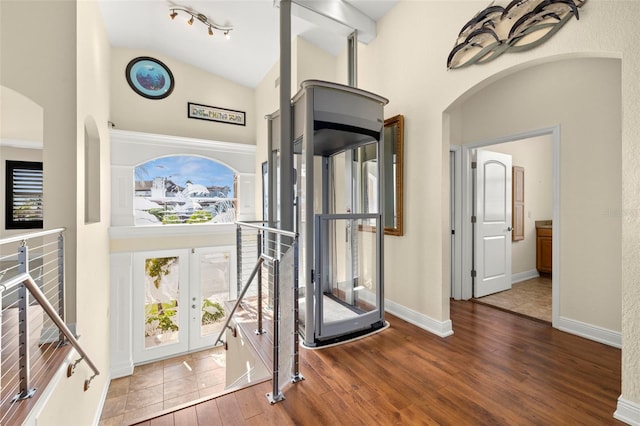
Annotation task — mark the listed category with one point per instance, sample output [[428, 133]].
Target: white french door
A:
[[178, 299], [213, 281], [492, 248]]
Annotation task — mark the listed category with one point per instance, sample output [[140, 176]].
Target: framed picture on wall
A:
[[149, 77], [211, 113]]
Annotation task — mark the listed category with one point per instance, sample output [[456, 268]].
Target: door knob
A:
[[509, 229]]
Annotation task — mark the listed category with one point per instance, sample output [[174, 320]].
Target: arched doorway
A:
[[586, 108]]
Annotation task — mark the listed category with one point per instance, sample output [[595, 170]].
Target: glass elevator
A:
[[339, 190]]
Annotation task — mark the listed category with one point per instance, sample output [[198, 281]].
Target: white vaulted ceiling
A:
[[254, 45]]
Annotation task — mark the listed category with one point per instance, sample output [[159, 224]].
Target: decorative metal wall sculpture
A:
[[519, 26]]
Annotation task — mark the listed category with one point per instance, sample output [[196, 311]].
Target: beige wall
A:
[[168, 116], [410, 69], [535, 155], [23, 73], [21, 134], [69, 403], [307, 62], [590, 162], [312, 63], [72, 37], [20, 118]]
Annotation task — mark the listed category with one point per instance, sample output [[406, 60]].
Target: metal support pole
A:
[[260, 330], [286, 145], [23, 329], [275, 395], [352, 52], [352, 229], [61, 339], [270, 196], [308, 236]]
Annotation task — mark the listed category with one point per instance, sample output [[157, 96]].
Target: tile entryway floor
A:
[[164, 384], [531, 298]]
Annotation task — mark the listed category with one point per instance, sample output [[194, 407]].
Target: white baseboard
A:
[[591, 332], [121, 370], [103, 398], [61, 373], [523, 276], [628, 412], [439, 328]]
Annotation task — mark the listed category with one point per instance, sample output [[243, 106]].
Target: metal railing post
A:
[[61, 339], [296, 318], [28, 289], [23, 328], [2, 289], [40, 297], [238, 258], [260, 329], [275, 395], [270, 240]]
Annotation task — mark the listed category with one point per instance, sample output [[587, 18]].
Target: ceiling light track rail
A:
[[226, 30]]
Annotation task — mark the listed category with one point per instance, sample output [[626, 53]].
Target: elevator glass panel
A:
[[348, 275]]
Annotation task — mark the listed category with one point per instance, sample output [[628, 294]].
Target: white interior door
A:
[[492, 230]]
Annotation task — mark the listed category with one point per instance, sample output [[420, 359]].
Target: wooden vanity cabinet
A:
[[544, 250]]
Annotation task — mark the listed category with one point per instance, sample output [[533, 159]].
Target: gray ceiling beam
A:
[[335, 15]]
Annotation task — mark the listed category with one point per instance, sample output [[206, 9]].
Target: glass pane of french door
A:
[[160, 315], [213, 272]]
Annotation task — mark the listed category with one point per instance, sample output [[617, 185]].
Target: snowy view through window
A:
[[184, 190]]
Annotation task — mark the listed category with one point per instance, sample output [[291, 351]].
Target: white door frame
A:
[[463, 288], [455, 225]]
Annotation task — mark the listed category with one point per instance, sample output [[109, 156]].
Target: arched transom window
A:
[[184, 189]]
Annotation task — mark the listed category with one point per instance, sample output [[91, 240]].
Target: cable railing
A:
[[34, 335], [268, 284]]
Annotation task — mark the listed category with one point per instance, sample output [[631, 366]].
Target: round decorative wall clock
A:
[[149, 77]]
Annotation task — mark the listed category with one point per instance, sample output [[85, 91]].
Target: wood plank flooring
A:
[[497, 369], [44, 363]]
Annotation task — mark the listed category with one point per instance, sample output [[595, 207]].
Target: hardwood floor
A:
[[497, 369], [44, 362]]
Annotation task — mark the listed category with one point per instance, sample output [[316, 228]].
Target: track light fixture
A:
[[202, 18]]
